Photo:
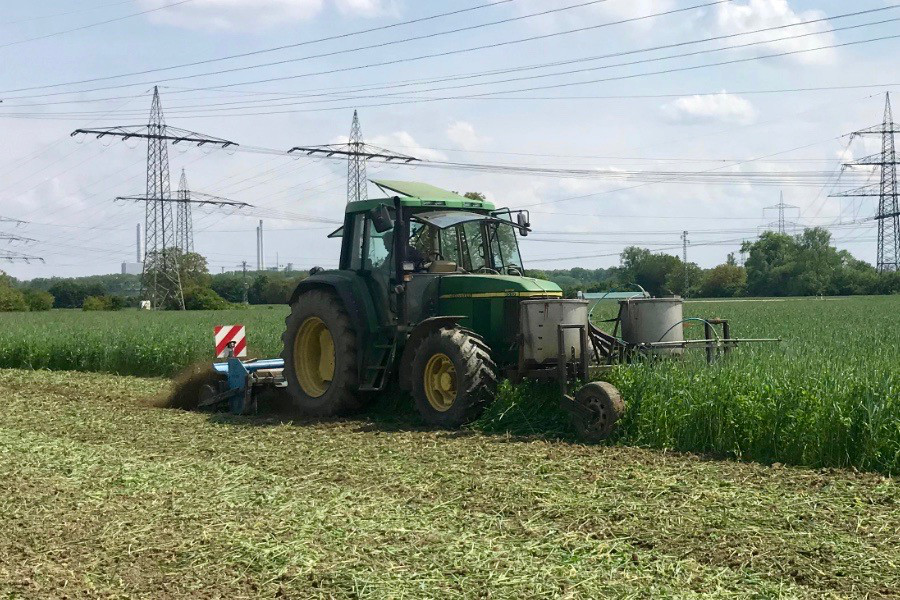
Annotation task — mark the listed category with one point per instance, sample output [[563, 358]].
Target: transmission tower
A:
[[356, 165], [888, 216], [357, 153], [10, 256], [687, 276], [160, 280], [184, 224], [781, 223]]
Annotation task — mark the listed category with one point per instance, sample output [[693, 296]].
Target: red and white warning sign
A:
[[226, 335]]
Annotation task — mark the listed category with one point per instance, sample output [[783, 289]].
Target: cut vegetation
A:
[[106, 496]]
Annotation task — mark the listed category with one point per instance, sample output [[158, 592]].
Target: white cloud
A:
[[734, 17], [257, 14], [403, 142], [721, 107], [464, 135], [233, 14], [365, 8]]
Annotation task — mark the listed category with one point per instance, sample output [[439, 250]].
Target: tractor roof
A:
[[416, 194]]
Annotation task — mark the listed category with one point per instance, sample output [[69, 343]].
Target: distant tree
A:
[[724, 281], [278, 291], [257, 288], [771, 264], [70, 293], [647, 269], [229, 286], [92, 303], [203, 298], [115, 284], [675, 280], [103, 303], [475, 196], [193, 270], [38, 300], [11, 299]]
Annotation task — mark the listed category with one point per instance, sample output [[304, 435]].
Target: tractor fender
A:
[[343, 287], [419, 333]]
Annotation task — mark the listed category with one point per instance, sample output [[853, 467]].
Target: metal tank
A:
[[539, 321], [648, 320]]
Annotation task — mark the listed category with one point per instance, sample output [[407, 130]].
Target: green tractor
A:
[[431, 289]]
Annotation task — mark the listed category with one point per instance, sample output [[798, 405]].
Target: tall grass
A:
[[129, 342], [828, 395]]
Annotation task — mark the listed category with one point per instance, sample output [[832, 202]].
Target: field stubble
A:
[[104, 496]]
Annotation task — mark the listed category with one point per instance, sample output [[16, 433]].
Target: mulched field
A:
[[104, 495]]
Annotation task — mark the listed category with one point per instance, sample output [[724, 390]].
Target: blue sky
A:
[[636, 137]]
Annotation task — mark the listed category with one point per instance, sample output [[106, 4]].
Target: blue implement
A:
[[241, 380]]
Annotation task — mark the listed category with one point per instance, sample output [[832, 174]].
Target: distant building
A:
[[131, 268]]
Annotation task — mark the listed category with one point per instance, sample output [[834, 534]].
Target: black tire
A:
[[605, 403], [340, 396], [474, 377]]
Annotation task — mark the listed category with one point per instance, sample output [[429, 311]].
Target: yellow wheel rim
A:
[[440, 382], [314, 357]]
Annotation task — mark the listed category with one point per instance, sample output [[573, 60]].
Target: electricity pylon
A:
[[358, 153], [160, 280], [184, 224], [780, 223], [888, 216]]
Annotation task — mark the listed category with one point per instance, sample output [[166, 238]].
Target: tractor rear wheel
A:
[[453, 377], [605, 404], [320, 356]]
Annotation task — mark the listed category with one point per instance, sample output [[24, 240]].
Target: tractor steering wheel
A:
[[487, 270], [435, 256]]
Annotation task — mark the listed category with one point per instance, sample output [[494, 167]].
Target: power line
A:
[[63, 14], [276, 48], [91, 25], [392, 42], [344, 50]]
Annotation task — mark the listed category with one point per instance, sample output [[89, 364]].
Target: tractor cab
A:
[[440, 231], [427, 253]]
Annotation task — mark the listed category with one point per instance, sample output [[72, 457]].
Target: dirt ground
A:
[[105, 496]]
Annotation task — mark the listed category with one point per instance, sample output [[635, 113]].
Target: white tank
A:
[[538, 321], [647, 320]]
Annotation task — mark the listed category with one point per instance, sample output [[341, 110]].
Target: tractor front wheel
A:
[[453, 377], [320, 356]]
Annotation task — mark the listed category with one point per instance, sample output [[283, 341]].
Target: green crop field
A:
[[828, 395]]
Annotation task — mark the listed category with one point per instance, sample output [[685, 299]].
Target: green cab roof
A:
[[417, 194]]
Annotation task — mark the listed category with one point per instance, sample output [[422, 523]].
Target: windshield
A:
[[485, 246], [504, 249]]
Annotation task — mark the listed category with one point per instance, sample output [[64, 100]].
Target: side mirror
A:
[[381, 218], [522, 220]]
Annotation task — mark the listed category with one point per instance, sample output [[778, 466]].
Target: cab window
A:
[[450, 245], [355, 247], [472, 246], [378, 247], [423, 240]]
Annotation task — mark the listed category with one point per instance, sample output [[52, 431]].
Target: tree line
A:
[[777, 264], [202, 290]]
